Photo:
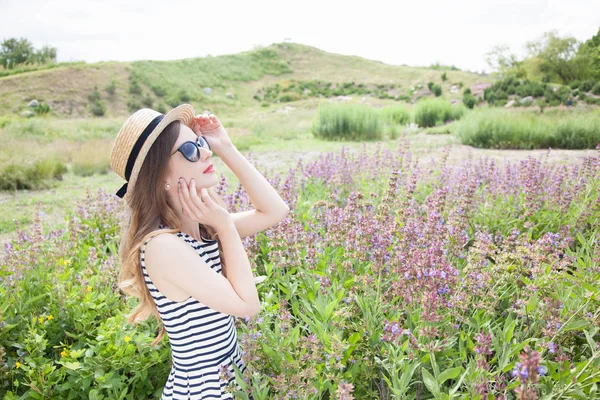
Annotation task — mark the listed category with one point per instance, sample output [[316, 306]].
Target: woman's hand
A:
[[202, 208], [209, 126]]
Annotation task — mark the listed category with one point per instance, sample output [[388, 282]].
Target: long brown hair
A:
[[146, 210]]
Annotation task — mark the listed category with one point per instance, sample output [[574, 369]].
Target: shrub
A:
[[596, 89], [286, 97], [347, 122], [159, 90], [38, 175], [184, 97], [587, 85], [98, 108], [134, 86], [469, 100], [161, 108], [509, 129], [437, 90], [147, 100], [134, 105], [444, 77], [94, 96], [428, 112], [111, 87], [42, 109], [396, 114]]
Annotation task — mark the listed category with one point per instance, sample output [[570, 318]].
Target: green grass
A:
[[348, 122], [511, 129]]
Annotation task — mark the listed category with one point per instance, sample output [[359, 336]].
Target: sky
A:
[[416, 33]]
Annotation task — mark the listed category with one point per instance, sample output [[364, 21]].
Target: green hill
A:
[[221, 83]]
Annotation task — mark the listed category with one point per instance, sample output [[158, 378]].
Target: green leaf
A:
[[431, 383], [576, 325], [451, 373], [72, 365]]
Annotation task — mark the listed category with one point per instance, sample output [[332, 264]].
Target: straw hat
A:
[[136, 137]]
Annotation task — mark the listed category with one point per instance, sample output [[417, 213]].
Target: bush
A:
[[444, 77], [159, 90], [587, 85], [469, 100], [184, 97], [574, 84], [42, 109], [147, 100], [347, 122], [596, 89], [286, 97], [98, 108], [509, 129], [134, 86], [38, 175], [111, 87], [94, 96], [428, 112], [397, 114], [161, 108], [134, 105], [437, 90]]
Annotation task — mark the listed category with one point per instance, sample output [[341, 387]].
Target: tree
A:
[[500, 61], [588, 56], [557, 54], [15, 51]]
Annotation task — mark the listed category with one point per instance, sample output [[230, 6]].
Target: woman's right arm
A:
[[238, 270], [175, 261]]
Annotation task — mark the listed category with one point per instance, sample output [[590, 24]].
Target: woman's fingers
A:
[[197, 201], [181, 188]]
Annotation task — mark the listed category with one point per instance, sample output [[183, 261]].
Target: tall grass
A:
[[510, 129], [348, 122], [430, 112], [37, 175], [397, 114]]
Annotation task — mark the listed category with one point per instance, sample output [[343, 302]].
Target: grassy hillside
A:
[[233, 79]]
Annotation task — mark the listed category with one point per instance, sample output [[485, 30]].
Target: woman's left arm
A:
[[269, 206]]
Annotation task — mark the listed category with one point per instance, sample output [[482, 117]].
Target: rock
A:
[[526, 99], [228, 95], [33, 103], [207, 90], [510, 104], [454, 89], [27, 114], [306, 91]]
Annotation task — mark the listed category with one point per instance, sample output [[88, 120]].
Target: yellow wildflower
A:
[[18, 364], [127, 338], [50, 317], [67, 262], [41, 319], [64, 353], [89, 288]]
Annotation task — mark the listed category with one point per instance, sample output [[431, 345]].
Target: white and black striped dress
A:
[[201, 338]]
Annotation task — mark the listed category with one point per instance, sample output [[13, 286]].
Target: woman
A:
[[181, 251]]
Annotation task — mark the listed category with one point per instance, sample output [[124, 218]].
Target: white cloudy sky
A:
[[421, 33]]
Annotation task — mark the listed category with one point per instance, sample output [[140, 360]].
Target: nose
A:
[[205, 153]]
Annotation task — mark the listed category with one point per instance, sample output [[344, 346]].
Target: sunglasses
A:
[[191, 150]]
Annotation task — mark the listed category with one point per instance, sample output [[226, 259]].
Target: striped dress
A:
[[203, 341]]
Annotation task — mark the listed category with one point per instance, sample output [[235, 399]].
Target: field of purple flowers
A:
[[388, 279]]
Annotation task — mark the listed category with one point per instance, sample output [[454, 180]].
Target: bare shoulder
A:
[[165, 248]]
